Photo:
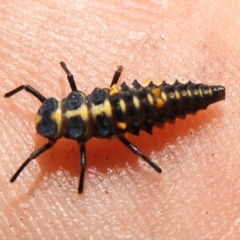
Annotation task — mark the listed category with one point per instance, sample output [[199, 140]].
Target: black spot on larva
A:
[[48, 107], [75, 128], [74, 100], [98, 96], [115, 98], [103, 126], [47, 128]]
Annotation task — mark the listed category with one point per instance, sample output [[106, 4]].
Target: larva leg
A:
[[116, 75], [29, 89], [32, 156], [83, 162], [139, 153], [69, 76]]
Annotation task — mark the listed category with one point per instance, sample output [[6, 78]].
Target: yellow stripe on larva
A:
[[102, 108], [57, 118], [122, 125], [195, 92], [122, 105], [113, 90], [164, 96], [159, 82], [177, 94], [82, 112], [184, 93], [146, 82], [171, 95], [113, 86], [72, 113], [159, 103], [150, 99], [206, 91], [38, 118], [136, 102], [107, 109], [156, 92]]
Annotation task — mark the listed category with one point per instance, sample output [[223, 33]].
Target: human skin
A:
[[197, 196]]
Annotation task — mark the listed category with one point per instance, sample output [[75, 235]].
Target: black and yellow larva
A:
[[108, 113]]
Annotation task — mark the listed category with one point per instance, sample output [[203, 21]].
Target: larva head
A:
[[49, 119]]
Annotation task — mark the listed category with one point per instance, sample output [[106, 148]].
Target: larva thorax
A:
[[107, 113]]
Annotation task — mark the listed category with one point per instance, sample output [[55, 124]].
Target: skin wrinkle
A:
[[196, 196]]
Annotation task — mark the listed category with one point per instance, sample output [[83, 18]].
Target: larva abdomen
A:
[[136, 108]]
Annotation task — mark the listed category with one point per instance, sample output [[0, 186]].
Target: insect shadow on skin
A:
[[103, 154], [108, 113]]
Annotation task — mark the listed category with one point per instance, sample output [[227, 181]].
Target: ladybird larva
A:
[[108, 113]]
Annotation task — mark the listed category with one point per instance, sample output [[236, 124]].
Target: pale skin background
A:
[[198, 194]]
